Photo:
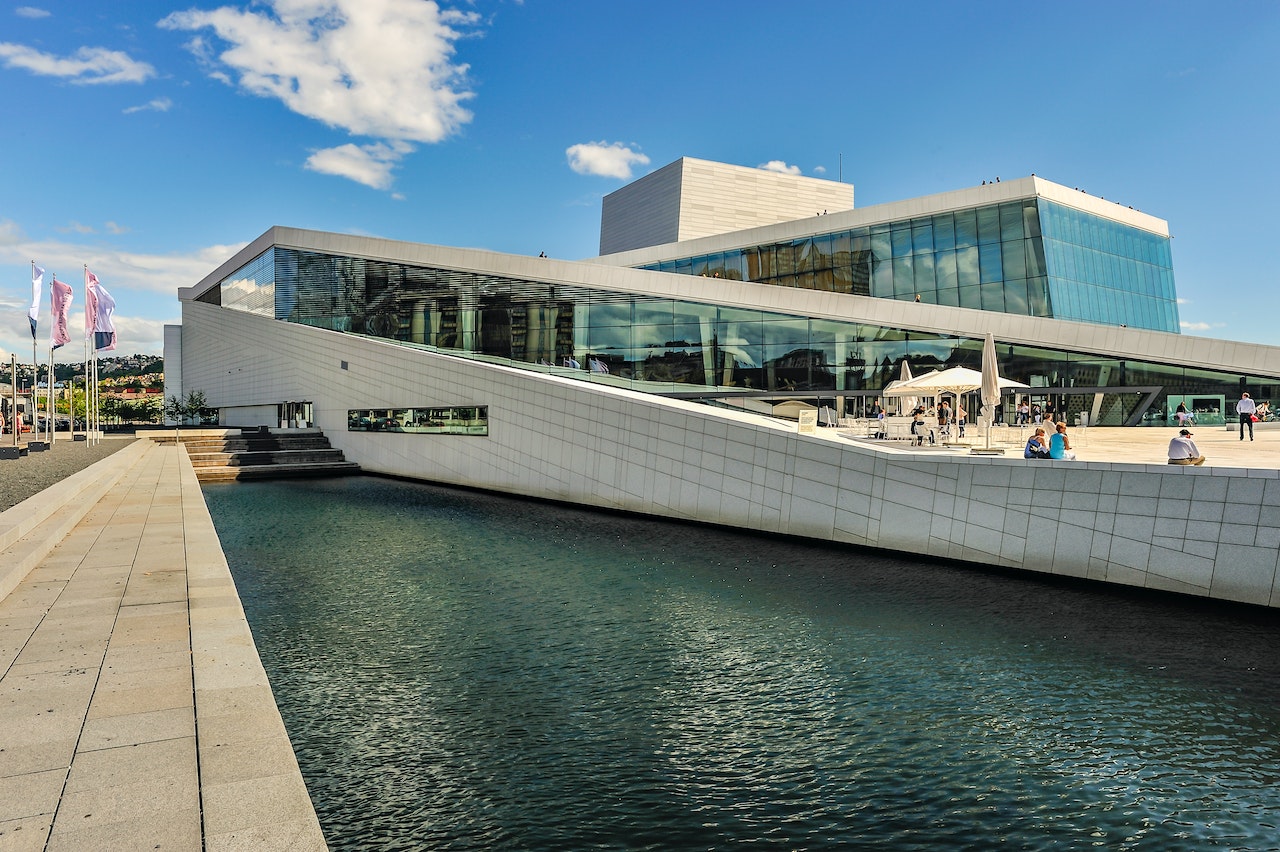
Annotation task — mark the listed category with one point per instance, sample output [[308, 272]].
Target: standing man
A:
[[1182, 450], [1246, 409]]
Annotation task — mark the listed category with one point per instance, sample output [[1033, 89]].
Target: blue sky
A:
[[151, 140]]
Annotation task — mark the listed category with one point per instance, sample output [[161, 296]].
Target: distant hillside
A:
[[136, 370]]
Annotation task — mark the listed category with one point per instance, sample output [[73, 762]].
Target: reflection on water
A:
[[466, 671]]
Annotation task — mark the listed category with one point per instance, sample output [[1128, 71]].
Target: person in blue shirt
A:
[[1059, 446], [1037, 447]]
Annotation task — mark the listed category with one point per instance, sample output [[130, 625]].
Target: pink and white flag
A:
[[60, 294], [90, 302]]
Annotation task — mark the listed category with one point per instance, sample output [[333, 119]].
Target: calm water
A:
[[464, 671]]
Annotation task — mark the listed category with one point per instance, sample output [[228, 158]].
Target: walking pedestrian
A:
[[1246, 409]]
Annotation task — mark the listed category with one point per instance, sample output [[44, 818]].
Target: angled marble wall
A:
[[1212, 532]]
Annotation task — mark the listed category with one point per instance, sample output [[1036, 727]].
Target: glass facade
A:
[[1030, 257], [456, 420], [674, 347], [1102, 271]]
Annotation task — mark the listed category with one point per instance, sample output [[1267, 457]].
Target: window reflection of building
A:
[[660, 344]]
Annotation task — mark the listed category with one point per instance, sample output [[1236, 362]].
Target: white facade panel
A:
[[692, 198], [567, 440]]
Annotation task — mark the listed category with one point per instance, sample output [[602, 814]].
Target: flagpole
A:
[[49, 415], [14, 423]]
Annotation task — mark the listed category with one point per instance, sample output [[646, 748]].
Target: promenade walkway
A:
[[1120, 445], [134, 711]]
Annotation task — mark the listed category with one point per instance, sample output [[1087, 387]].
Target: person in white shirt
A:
[[1246, 409], [1182, 450]]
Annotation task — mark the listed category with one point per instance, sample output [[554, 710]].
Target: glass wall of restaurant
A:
[[669, 346]]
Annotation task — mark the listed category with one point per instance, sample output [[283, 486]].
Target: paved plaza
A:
[[1119, 445], [134, 711]]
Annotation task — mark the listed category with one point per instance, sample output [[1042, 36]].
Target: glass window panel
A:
[[993, 297], [970, 297], [1030, 219], [860, 272], [948, 296], [901, 241], [1035, 258], [841, 245], [1015, 297], [882, 246], [922, 236], [822, 249], [1038, 297], [882, 279], [989, 262], [966, 228], [904, 280], [944, 232], [1011, 221], [988, 225], [967, 266], [945, 269], [803, 252], [1014, 258], [785, 258], [924, 275], [768, 263], [842, 279]]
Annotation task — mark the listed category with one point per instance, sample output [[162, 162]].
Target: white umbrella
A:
[[990, 383], [954, 380], [905, 376]]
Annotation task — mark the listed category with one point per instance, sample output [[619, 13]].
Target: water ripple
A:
[[464, 671]]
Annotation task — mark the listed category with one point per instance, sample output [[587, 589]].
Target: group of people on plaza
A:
[[946, 417], [1183, 450], [1056, 446]]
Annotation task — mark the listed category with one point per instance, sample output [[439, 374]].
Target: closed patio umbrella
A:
[[990, 383]]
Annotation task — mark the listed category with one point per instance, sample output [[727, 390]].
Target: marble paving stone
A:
[[143, 692], [25, 835], [114, 731], [238, 805], [174, 829], [29, 795], [293, 836], [119, 767]]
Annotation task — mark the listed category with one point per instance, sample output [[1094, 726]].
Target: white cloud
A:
[[151, 273], [820, 170], [131, 277], [114, 228], [370, 165], [378, 68], [31, 12], [157, 104], [779, 166], [88, 65], [604, 159], [1200, 326]]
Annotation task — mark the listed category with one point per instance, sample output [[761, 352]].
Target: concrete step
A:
[[229, 473], [282, 457]]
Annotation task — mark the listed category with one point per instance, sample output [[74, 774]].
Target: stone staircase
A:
[[223, 455]]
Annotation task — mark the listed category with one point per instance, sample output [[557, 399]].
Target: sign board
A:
[[808, 422]]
